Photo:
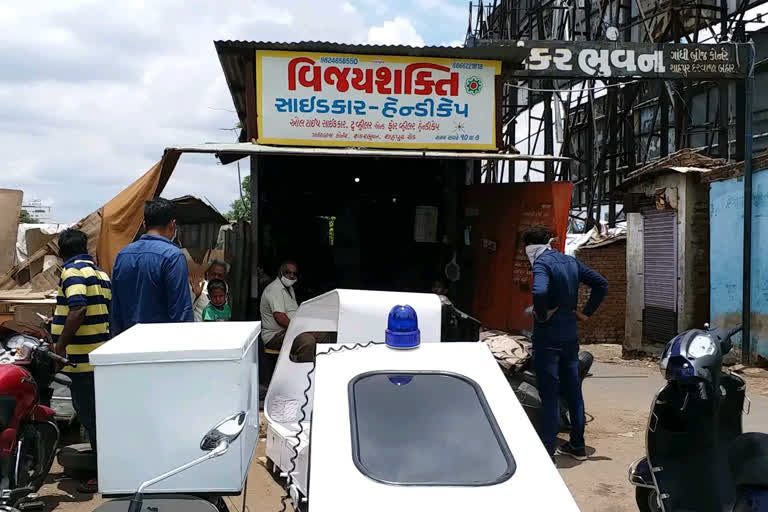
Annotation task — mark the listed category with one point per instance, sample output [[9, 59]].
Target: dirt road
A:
[[618, 396]]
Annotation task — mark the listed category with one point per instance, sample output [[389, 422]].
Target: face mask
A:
[[287, 282], [534, 251]]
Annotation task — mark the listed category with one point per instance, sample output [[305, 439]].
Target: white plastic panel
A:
[[337, 485]]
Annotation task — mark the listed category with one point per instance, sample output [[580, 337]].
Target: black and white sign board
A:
[[604, 59]]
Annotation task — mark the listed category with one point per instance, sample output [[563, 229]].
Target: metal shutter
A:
[[660, 276]]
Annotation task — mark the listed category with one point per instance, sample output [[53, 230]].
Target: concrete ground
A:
[[618, 397]]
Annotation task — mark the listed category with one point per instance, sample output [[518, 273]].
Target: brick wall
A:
[[607, 325], [697, 281]]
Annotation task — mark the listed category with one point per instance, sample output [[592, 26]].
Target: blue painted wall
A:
[[726, 224]]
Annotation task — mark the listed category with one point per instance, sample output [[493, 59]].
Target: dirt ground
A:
[[617, 395]]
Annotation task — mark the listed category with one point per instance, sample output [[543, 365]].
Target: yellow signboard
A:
[[314, 99]]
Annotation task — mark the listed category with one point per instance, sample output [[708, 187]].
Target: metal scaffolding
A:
[[610, 127]]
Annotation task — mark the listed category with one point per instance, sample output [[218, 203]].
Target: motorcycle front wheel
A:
[[35, 454], [647, 499]]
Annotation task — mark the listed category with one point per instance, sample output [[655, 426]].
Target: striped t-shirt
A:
[[83, 284]]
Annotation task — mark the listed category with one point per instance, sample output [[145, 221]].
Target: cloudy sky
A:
[[92, 91]]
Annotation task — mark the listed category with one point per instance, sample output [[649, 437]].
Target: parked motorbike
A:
[[697, 458], [61, 399], [28, 433], [78, 460], [216, 443], [523, 382]]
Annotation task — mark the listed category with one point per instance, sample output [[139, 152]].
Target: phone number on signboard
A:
[[426, 108]]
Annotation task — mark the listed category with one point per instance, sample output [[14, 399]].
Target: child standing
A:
[[217, 310]]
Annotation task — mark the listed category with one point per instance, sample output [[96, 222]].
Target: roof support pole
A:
[[256, 164], [746, 310], [722, 137]]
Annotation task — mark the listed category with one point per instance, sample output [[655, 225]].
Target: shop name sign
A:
[[313, 99], [634, 60]]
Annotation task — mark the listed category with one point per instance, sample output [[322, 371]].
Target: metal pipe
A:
[[220, 450], [250, 149], [137, 500], [746, 310]]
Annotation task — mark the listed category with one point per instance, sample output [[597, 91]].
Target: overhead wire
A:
[[297, 436]]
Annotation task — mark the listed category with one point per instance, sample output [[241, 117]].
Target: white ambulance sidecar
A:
[[356, 316], [436, 427]]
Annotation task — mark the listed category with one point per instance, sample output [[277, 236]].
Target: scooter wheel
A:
[[647, 499], [585, 363]]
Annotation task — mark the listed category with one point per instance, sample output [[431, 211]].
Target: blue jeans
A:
[[84, 402], [557, 371]]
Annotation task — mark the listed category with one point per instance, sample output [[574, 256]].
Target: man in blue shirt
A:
[[150, 279], [556, 280]]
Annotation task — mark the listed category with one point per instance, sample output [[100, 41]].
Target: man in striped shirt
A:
[[81, 324]]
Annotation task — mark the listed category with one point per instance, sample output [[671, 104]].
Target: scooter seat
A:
[[168, 502], [748, 459]]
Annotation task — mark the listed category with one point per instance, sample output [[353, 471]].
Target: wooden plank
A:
[[10, 206], [250, 102]]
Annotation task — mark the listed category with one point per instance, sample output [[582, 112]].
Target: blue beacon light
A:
[[403, 328]]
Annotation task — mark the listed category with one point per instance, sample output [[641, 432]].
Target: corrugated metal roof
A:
[[509, 54], [686, 160], [236, 56], [191, 210]]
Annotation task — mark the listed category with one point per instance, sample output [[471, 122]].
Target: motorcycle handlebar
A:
[[57, 357], [44, 350]]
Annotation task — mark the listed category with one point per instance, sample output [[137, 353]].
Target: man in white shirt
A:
[[278, 306], [216, 270]]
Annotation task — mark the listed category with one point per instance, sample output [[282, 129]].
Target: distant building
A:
[[39, 211]]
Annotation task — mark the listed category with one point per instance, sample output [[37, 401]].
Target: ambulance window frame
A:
[[502, 443]]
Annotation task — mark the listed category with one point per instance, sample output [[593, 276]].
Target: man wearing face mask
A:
[[556, 280], [278, 305], [150, 279]]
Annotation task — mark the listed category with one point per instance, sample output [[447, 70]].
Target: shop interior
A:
[[368, 223]]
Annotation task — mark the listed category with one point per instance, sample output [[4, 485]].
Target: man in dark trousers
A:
[[556, 280], [81, 325], [150, 279]]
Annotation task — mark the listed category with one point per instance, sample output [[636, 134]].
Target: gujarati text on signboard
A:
[[314, 99], [597, 59]]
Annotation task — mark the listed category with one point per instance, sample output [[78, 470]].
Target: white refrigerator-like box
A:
[[159, 389]]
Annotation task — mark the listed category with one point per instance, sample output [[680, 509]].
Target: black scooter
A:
[[523, 383], [697, 458]]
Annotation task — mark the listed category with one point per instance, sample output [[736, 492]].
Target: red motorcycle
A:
[[28, 433]]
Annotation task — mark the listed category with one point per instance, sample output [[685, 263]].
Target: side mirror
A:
[[228, 430]]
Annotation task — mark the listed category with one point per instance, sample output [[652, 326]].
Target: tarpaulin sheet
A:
[[30, 238], [123, 215], [498, 215]]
